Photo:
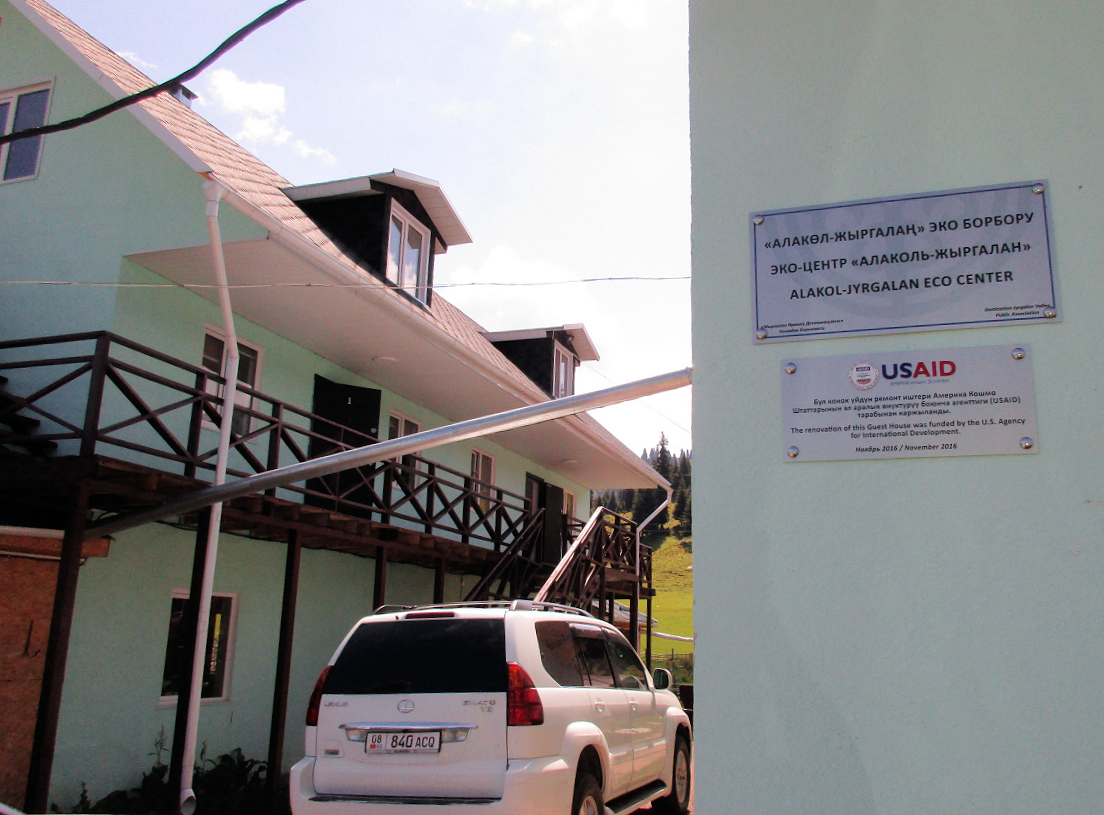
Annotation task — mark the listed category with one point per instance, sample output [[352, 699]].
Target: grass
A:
[[673, 605]]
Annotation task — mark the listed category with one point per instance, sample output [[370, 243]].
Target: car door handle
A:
[[599, 705], [634, 706]]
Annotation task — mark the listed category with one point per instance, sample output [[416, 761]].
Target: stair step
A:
[[10, 416], [34, 446]]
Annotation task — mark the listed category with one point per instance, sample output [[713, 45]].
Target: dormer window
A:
[[548, 356], [390, 225], [563, 372], [408, 244]]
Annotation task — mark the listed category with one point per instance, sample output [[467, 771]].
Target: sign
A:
[[910, 404], [962, 258]]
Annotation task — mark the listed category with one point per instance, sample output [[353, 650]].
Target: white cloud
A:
[[261, 106], [137, 61], [575, 14]]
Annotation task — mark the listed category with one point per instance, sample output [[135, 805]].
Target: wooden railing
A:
[[604, 553], [101, 394]]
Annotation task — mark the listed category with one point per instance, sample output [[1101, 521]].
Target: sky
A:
[[558, 129]]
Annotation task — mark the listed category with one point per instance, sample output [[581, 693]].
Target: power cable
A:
[[293, 285], [168, 86]]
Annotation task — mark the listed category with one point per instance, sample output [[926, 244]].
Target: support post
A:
[[57, 651], [283, 671], [379, 591], [634, 617], [191, 617], [648, 656], [439, 581]]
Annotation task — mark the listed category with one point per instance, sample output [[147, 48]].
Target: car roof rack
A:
[[509, 605]]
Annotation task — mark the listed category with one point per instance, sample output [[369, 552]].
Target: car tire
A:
[[588, 796], [678, 801]]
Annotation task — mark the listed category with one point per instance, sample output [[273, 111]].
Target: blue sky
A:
[[559, 129]]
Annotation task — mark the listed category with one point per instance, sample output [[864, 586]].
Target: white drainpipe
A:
[[215, 193]]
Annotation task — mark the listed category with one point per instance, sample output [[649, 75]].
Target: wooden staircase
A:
[[18, 432]]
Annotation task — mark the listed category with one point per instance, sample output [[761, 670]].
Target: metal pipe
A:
[[416, 442], [215, 193]]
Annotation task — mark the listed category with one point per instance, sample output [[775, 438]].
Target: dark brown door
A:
[[347, 416]]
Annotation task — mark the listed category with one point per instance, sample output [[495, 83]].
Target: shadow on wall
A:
[[792, 751]]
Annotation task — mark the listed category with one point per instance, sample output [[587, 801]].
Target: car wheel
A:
[[588, 796], [678, 801]]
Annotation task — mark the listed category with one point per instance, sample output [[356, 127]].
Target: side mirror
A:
[[662, 679]]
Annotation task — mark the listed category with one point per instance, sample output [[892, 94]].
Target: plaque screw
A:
[[1018, 353], [790, 368], [1026, 443], [761, 334], [1037, 189], [1050, 313], [793, 451], [759, 220]]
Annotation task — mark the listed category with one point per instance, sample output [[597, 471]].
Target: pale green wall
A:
[[83, 211], [110, 714], [898, 636]]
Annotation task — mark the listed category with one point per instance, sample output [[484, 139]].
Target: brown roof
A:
[[245, 174]]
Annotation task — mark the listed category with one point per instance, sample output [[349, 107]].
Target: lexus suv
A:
[[515, 708]]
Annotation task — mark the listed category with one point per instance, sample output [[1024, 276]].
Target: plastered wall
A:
[[897, 636]]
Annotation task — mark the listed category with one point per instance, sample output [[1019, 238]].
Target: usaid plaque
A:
[[910, 404], [955, 259]]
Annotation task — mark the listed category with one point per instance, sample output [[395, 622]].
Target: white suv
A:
[[515, 708]]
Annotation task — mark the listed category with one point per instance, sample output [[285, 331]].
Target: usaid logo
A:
[[915, 370], [863, 376]]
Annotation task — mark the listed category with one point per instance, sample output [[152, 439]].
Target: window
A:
[[216, 665], [399, 426], [558, 653], [249, 369], [422, 656], [563, 372], [569, 505], [21, 109], [482, 470], [408, 247], [626, 665]]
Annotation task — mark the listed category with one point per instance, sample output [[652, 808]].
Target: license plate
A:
[[420, 742]]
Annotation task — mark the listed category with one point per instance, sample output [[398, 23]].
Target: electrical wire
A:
[[643, 402], [168, 86], [117, 285]]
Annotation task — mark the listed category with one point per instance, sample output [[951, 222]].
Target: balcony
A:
[[138, 426]]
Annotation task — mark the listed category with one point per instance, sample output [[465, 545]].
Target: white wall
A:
[[898, 636]]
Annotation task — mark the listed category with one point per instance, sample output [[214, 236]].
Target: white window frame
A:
[[569, 498], [562, 386], [403, 419], [408, 460], [419, 288], [11, 95], [487, 492], [232, 639], [215, 389]]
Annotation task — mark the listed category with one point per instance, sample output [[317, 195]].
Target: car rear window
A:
[[422, 656]]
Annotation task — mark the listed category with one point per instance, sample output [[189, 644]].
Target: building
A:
[[110, 404], [893, 633]]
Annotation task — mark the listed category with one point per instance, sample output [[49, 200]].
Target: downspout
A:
[[215, 193], [634, 622]]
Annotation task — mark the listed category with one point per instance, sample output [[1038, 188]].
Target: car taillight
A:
[[523, 703], [316, 697]]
